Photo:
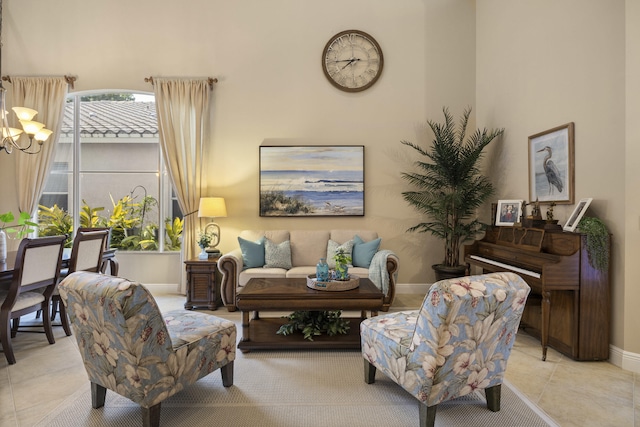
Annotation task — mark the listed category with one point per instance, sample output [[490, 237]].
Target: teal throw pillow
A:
[[332, 248], [277, 255], [363, 252], [252, 252]]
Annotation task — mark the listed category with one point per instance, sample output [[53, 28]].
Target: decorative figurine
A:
[[550, 211]]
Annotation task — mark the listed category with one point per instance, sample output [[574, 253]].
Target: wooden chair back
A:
[[37, 264], [86, 254]]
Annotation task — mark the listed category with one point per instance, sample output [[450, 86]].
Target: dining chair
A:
[[86, 255], [107, 261], [35, 276]]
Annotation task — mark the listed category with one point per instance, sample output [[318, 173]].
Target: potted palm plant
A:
[[449, 187]]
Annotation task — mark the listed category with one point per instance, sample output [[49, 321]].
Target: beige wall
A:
[[541, 64], [266, 56], [632, 178]]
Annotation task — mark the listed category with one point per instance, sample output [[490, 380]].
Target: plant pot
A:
[[443, 272]]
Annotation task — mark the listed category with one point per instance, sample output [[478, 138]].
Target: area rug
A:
[[297, 389]]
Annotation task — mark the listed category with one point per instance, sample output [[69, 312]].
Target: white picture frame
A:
[[508, 212], [576, 215]]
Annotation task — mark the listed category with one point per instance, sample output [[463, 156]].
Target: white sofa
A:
[[306, 248]]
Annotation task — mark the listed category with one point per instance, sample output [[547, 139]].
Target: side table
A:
[[203, 287]]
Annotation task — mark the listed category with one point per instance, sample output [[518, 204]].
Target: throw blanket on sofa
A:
[[378, 270]]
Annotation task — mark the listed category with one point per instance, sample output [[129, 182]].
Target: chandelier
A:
[[10, 137]]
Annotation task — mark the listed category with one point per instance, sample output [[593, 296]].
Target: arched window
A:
[[108, 171]]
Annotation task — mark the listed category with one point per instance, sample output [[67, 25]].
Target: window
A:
[[108, 171]]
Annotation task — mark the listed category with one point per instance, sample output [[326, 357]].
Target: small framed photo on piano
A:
[[508, 212], [576, 215]]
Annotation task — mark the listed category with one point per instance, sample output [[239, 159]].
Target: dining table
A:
[[7, 267]]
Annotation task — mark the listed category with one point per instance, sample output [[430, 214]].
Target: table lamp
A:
[[212, 207]]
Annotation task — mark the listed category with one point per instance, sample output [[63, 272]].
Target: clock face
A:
[[352, 61]]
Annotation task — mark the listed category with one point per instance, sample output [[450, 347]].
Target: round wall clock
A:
[[352, 60]]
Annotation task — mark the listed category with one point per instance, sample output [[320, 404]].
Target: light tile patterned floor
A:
[[572, 393]]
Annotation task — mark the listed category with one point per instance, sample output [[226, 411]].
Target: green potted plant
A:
[[204, 239], [342, 264], [315, 323], [597, 242], [449, 187], [23, 227]]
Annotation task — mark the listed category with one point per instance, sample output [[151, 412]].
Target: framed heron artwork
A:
[[312, 180], [551, 165]]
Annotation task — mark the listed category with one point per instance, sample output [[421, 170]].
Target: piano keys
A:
[[568, 308]]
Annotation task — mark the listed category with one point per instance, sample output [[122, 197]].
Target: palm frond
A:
[[447, 185]]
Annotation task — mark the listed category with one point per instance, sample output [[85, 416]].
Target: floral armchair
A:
[[129, 347], [458, 342]]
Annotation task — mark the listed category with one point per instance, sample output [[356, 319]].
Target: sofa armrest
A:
[[393, 264], [387, 260], [230, 266]]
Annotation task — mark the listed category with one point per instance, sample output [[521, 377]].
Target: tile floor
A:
[[572, 393]]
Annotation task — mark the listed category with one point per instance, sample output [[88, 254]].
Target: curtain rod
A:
[[210, 80], [69, 79]]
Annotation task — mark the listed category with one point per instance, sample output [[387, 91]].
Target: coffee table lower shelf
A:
[[263, 337]]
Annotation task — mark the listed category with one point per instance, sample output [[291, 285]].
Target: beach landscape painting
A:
[[318, 180]]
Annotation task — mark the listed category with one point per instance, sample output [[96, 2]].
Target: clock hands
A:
[[348, 62]]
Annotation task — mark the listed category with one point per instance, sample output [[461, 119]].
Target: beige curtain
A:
[[183, 108], [47, 96]]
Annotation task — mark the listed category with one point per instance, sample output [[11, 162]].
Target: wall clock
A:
[[352, 61]]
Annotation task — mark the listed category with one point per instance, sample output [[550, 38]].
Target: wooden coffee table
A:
[[281, 294]]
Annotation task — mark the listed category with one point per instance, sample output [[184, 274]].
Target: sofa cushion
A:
[[250, 273], [332, 249], [308, 246], [363, 252], [362, 273], [277, 255], [301, 271], [252, 252]]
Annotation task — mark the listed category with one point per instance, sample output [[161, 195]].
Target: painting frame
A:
[[311, 180], [506, 218], [551, 153], [576, 215]]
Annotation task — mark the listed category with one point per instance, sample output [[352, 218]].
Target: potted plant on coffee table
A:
[[449, 187]]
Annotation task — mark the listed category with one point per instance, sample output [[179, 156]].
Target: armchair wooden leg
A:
[[227, 374], [427, 415], [151, 416], [369, 372], [493, 397], [98, 394]]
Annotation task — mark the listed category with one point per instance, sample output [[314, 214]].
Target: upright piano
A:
[[569, 304]]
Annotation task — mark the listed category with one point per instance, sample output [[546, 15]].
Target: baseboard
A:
[[624, 359], [167, 288]]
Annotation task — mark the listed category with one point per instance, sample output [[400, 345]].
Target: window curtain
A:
[[47, 96], [183, 108]]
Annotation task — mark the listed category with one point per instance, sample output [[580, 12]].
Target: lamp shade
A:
[[212, 207], [30, 127], [43, 135], [24, 113]]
